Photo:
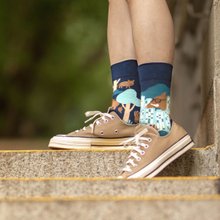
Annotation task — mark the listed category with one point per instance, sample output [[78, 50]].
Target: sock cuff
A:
[[155, 71], [127, 68]]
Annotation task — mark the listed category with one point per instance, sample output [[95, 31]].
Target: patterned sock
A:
[[126, 91], [155, 80]]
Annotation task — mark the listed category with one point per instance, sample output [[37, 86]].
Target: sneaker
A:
[[107, 130], [153, 152]]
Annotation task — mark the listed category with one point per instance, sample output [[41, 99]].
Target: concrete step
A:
[[11, 188], [112, 208], [170, 198], [97, 162]]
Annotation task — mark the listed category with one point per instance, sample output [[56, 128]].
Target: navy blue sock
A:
[[155, 80], [126, 91]]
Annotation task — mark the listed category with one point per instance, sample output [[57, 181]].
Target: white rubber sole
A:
[[65, 142], [165, 159]]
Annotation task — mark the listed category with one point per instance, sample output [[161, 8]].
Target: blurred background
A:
[[54, 64]]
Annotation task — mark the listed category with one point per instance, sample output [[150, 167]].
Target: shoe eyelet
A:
[[146, 146], [138, 159], [142, 152], [113, 117], [106, 120], [149, 139], [116, 131], [102, 132]]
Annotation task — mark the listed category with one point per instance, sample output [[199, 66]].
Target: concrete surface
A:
[[92, 209], [90, 187], [94, 163]]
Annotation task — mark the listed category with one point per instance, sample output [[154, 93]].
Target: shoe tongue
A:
[[150, 129], [112, 112]]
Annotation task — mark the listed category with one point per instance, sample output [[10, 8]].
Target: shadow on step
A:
[[180, 167]]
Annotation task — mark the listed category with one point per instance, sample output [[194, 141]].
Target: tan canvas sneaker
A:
[[107, 130], [153, 152]]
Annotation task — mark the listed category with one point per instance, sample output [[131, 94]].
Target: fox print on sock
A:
[[155, 80], [155, 108], [126, 84]]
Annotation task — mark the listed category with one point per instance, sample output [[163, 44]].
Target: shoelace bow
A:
[[93, 114], [140, 142]]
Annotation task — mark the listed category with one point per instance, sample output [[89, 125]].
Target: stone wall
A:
[[192, 89], [216, 77]]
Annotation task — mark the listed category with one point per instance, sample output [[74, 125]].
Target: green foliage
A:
[[53, 65]]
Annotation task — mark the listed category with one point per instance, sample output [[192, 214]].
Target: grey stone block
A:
[[216, 80], [209, 128], [141, 209], [217, 118], [94, 163], [205, 133], [99, 187]]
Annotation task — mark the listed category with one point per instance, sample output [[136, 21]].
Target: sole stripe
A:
[[76, 143]]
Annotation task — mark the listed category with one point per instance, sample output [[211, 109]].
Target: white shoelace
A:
[[139, 141], [103, 117]]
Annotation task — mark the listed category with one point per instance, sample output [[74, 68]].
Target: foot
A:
[[107, 130], [153, 152]]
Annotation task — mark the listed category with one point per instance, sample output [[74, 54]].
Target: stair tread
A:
[[93, 163], [112, 198], [111, 209], [113, 187]]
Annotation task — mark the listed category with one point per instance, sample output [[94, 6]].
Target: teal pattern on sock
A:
[[126, 91], [155, 80]]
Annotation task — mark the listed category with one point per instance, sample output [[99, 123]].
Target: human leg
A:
[[153, 31], [124, 68], [119, 32], [154, 43]]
